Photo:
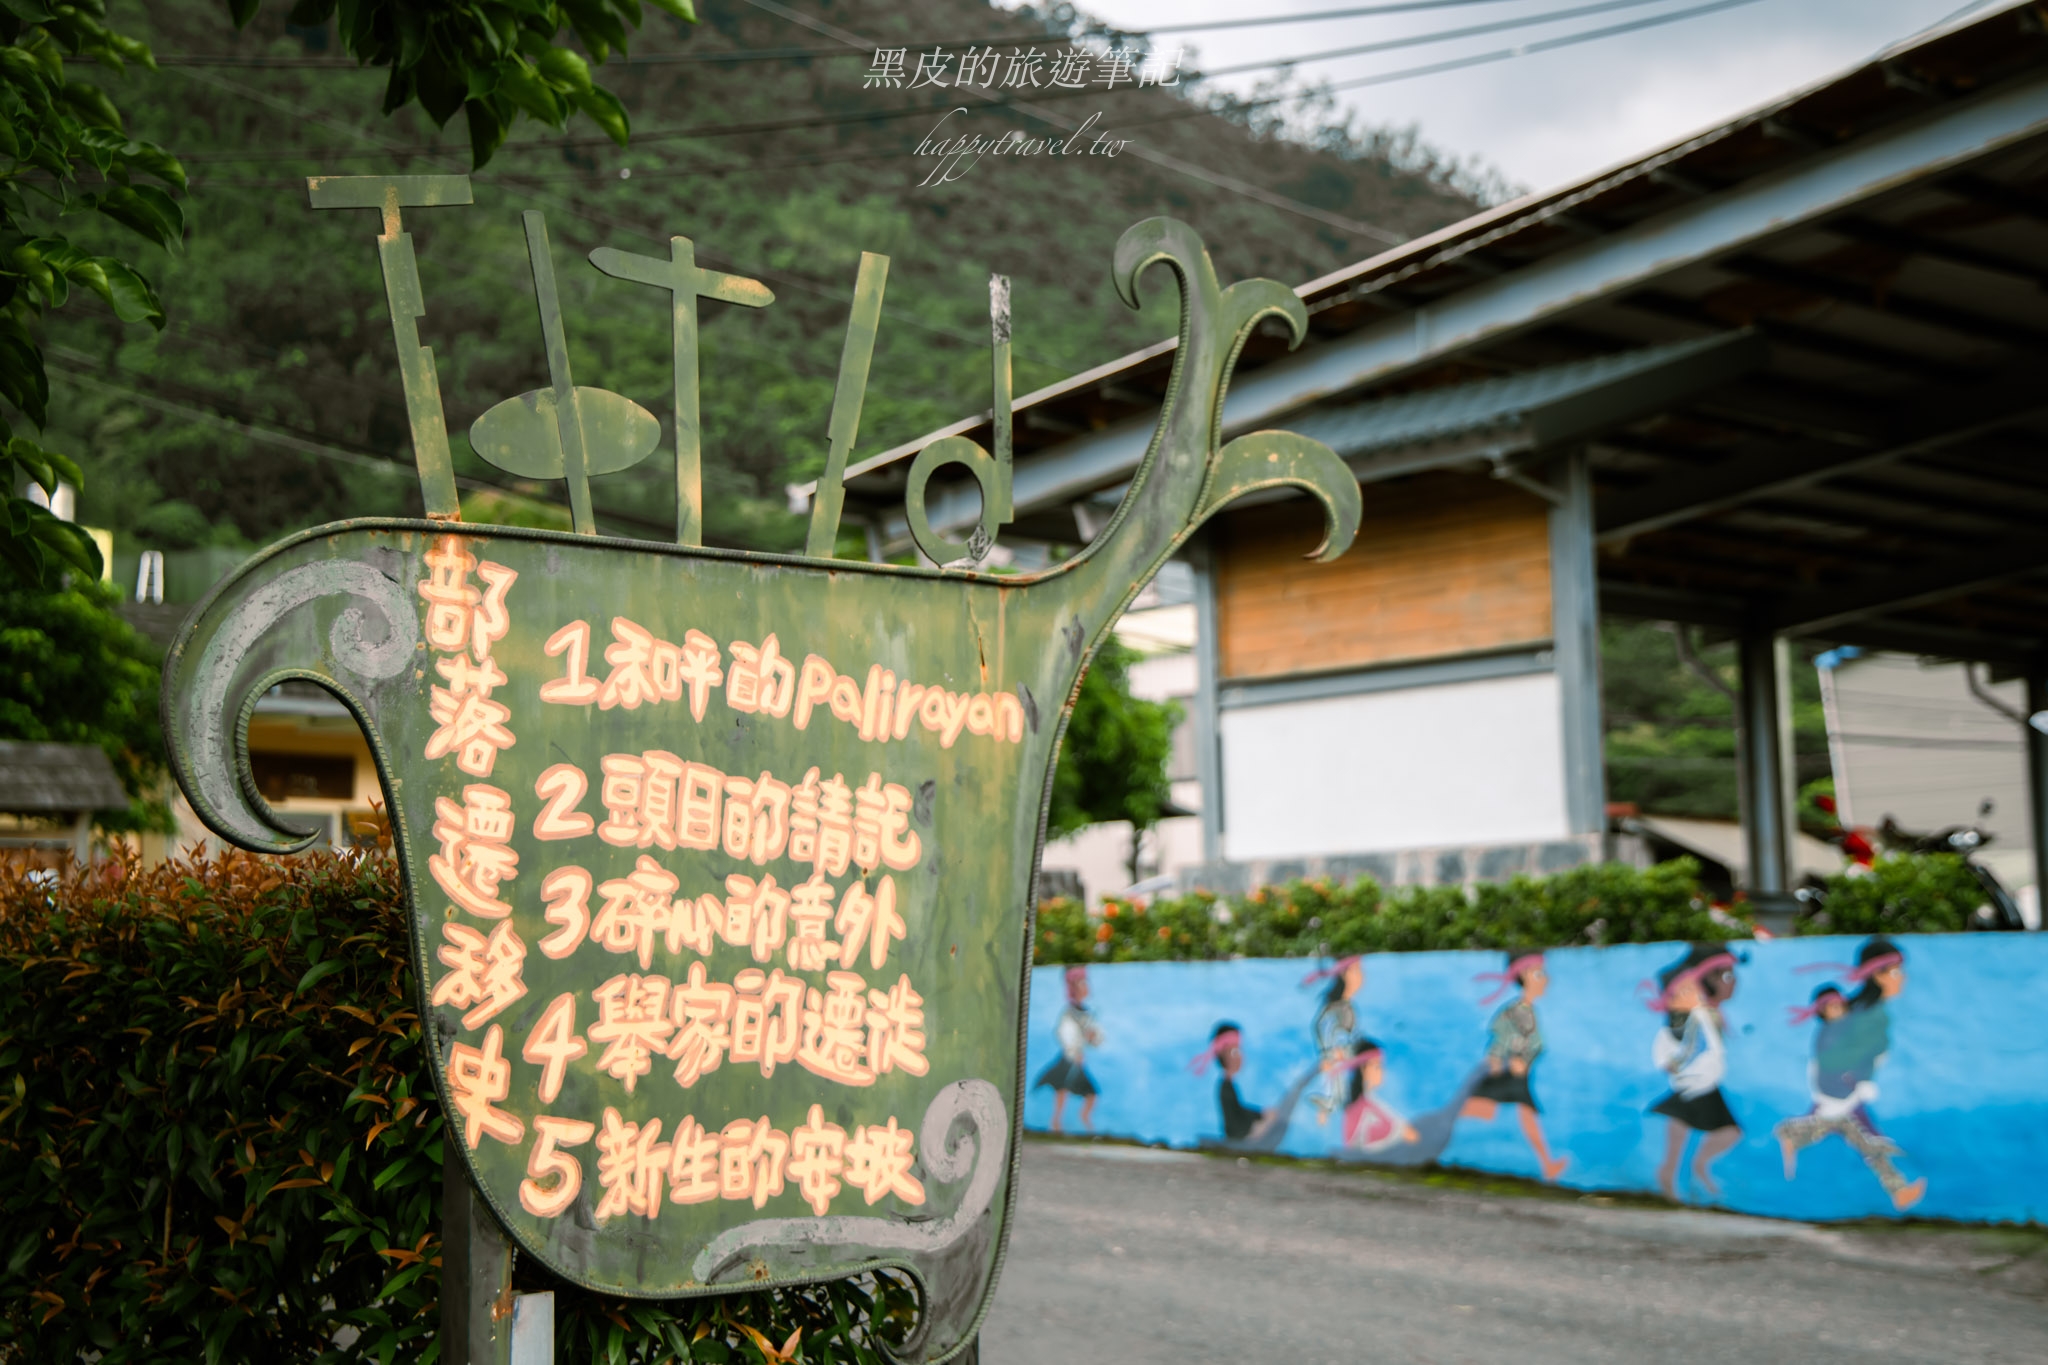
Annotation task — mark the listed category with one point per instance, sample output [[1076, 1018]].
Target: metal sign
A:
[[721, 864]]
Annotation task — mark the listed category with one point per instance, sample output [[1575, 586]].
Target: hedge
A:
[[1595, 905], [218, 1140]]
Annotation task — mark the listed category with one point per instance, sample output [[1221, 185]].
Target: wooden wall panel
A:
[[1444, 564]]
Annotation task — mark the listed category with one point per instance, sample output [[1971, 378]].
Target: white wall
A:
[[1456, 763], [1100, 854]]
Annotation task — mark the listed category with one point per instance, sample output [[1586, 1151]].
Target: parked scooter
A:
[[2000, 912]]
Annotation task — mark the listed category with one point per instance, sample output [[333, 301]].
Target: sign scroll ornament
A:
[[720, 863]]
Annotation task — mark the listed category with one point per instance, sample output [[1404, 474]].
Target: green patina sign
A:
[[721, 864]]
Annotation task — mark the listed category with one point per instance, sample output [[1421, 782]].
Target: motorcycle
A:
[[2000, 911]]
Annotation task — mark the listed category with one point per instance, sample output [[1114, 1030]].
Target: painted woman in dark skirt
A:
[[1077, 1032], [1691, 1048], [1515, 1041]]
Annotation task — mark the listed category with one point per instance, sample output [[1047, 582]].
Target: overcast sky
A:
[[1549, 117]]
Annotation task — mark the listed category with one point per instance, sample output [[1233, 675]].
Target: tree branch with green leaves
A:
[[68, 153]]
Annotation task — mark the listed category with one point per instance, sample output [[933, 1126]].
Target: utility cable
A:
[[994, 103], [1231, 183], [627, 60], [650, 234], [1436, 68], [82, 369], [1426, 39]]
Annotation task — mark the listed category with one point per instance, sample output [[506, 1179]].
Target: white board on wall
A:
[[1451, 763]]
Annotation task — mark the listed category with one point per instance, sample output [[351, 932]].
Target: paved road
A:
[[1128, 1256]]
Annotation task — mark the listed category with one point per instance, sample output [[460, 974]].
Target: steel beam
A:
[[1871, 294], [2037, 777], [1918, 243], [1765, 756], [1813, 612], [1941, 142], [1575, 634], [1780, 469]]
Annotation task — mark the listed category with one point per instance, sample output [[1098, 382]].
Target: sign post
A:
[[720, 864]]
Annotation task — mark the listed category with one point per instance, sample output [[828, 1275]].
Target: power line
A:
[[1546, 45], [83, 369], [1305, 17], [1426, 39], [647, 233], [1453, 64], [1380, 78], [995, 103], [1242, 188], [627, 60]]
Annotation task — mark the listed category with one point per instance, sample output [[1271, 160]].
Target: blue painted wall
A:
[[1964, 1090]]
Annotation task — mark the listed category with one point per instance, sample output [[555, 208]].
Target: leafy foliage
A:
[[218, 1140], [492, 60], [58, 133], [1113, 759], [1603, 904], [73, 672], [1900, 893], [70, 154], [1587, 906]]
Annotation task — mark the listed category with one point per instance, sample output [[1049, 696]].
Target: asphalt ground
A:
[[1132, 1255]]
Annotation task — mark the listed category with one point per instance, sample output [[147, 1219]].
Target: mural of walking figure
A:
[[1691, 1047], [1515, 1041], [1077, 1032], [1849, 1046], [1336, 1030]]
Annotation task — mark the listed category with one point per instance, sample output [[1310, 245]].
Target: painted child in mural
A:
[[1226, 1049], [1849, 1046], [1515, 1041], [1077, 1032], [1692, 1048], [1371, 1125], [1336, 1030]]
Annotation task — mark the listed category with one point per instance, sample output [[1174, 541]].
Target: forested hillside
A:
[[753, 134]]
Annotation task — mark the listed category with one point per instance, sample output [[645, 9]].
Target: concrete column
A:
[[1575, 643], [1765, 759], [1207, 719], [2037, 777]]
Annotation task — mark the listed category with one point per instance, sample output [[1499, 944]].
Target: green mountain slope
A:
[[277, 312]]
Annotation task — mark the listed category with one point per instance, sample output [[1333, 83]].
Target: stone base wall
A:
[[1453, 865]]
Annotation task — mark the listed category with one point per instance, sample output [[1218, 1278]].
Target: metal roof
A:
[[57, 779], [1879, 479], [1531, 410]]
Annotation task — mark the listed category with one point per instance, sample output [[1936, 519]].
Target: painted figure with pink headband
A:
[[1692, 1048], [1077, 1032], [1850, 1045], [1515, 1041]]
